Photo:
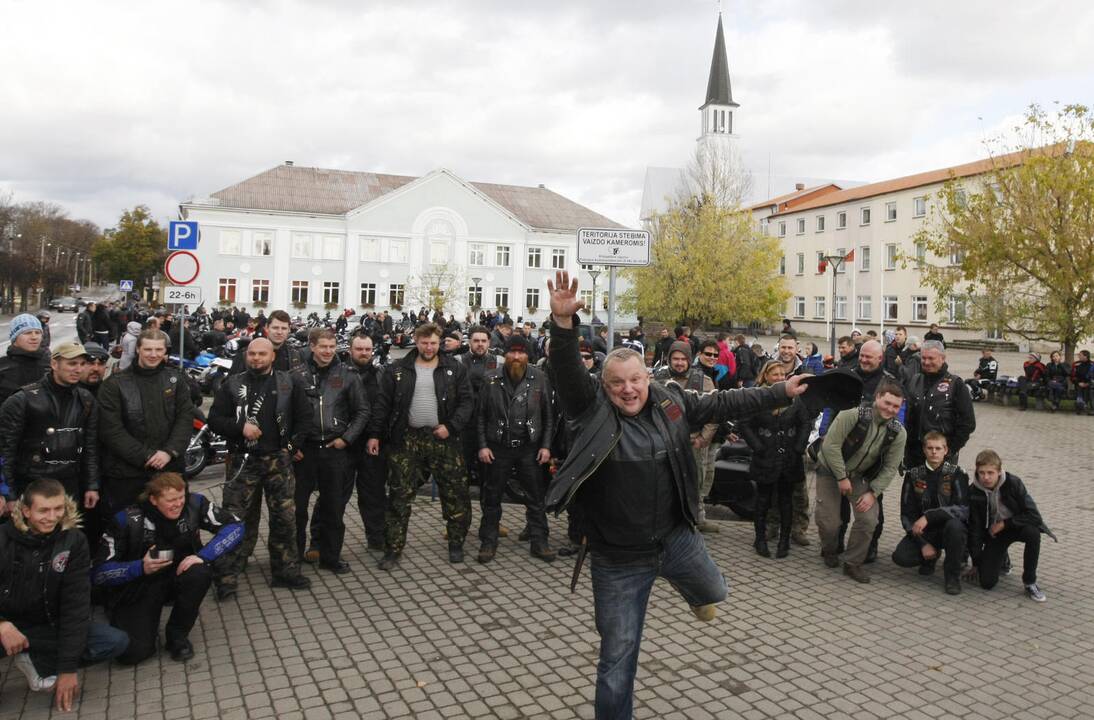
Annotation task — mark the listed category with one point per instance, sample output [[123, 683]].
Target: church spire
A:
[[716, 113], [719, 91]]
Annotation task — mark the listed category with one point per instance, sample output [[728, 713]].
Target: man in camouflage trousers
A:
[[424, 404], [265, 416]]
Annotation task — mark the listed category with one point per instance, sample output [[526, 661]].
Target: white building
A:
[[305, 239], [881, 286]]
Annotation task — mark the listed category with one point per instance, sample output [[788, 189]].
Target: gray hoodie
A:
[[129, 345], [997, 511]]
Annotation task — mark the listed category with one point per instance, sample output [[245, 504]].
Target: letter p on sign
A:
[[182, 235]]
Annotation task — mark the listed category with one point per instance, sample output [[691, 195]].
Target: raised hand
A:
[[564, 300]]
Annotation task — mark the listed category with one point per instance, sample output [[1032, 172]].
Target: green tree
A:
[[709, 262], [1023, 233], [135, 250]]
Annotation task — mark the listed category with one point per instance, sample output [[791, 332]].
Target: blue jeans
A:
[[103, 643], [621, 592]]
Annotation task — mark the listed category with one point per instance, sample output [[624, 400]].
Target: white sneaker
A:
[[35, 682], [1035, 593]]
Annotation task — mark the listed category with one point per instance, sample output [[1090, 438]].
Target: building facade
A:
[[874, 226], [310, 239]]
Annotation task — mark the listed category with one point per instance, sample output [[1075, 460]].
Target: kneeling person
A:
[[45, 606], [1002, 512], [934, 507], [152, 553], [859, 457]]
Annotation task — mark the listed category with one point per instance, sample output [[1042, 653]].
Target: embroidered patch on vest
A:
[[943, 387], [672, 410]]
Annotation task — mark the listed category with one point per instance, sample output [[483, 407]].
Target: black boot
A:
[[784, 543], [761, 539]]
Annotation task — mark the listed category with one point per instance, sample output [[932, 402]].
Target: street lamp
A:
[[478, 298], [835, 262], [594, 274]]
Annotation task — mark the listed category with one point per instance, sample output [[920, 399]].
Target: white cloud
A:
[[110, 105]]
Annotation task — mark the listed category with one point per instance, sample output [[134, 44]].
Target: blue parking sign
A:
[[182, 235]]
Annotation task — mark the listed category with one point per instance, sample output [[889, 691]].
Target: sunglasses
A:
[[710, 354], [586, 356], [96, 361]]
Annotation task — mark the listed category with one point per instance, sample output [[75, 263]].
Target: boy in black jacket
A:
[[45, 596], [1001, 512], [934, 507]]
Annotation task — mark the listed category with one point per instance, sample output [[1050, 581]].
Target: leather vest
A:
[[935, 404], [281, 393], [133, 408], [52, 445]]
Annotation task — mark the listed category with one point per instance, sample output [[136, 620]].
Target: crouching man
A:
[[152, 553], [45, 596], [934, 507]]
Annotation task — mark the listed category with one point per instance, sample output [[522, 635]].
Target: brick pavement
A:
[[508, 640]]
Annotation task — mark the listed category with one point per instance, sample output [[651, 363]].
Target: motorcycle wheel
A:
[[196, 459]]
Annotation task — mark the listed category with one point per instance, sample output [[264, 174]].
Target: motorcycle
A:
[[205, 448]]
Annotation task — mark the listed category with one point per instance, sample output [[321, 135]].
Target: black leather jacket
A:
[[1013, 494], [597, 428], [478, 367], [454, 400], [938, 494], [337, 397], [45, 435], [777, 442], [286, 426], [511, 416], [20, 367], [941, 402]]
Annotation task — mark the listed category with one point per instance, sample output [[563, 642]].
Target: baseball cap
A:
[[69, 350]]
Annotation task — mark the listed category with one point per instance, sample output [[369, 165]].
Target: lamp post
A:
[[594, 274], [835, 262], [478, 298]]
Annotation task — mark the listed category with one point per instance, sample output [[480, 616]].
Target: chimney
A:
[[288, 163], [542, 186], [797, 186]]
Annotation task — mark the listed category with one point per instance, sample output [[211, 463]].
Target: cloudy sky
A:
[[105, 105]]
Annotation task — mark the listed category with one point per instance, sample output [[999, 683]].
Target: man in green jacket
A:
[[859, 458]]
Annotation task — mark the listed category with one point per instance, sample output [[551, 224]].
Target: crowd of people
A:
[[99, 511]]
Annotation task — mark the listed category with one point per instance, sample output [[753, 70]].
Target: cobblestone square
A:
[[508, 640]]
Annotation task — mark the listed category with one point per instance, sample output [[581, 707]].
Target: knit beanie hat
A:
[[21, 324], [681, 347]]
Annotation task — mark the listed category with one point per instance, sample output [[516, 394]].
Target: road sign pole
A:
[[182, 331], [611, 307]]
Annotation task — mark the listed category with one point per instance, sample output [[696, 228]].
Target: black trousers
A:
[[995, 549], [507, 461], [370, 479], [329, 471], [948, 538], [139, 614], [780, 487]]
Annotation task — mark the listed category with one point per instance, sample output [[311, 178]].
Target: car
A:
[[63, 304]]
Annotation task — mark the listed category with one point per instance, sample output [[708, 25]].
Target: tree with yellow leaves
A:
[[1023, 234], [710, 264]]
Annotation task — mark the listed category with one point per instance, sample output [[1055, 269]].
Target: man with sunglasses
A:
[[91, 378]]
